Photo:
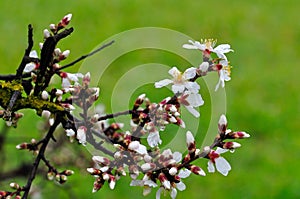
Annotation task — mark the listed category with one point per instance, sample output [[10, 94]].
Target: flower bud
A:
[[45, 95], [173, 171], [22, 146], [231, 145], [204, 67], [50, 175], [164, 181], [46, 33], [14, 185], [197, 170]]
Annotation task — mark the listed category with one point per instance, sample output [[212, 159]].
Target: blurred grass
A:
[[262, 98]]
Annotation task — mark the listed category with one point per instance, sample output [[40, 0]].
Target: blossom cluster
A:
[[134, 151]]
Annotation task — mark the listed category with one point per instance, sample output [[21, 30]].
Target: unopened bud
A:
[[22, 146], [173, 171], [204, 67], [231, 145], [197, 170], [46, 33], [50, 175], [68, 172], [45, 95], [14, 185]]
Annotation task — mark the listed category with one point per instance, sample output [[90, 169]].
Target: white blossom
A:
[[180, 81], [219, 162]]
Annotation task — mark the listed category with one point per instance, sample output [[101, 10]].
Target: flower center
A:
[[227, 69]]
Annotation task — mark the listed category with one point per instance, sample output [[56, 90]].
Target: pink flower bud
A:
[[164, 181], [22, 146], [197, 170], [231, 145]]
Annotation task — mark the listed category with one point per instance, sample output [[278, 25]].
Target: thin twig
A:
[[39, 157], [85, 56], [113, 115]]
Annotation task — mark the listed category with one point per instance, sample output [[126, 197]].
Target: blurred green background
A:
[[262, 97]]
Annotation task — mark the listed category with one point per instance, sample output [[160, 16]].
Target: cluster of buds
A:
[[11, 195], [60, 177], [11, 118], [32, 146], [154, 117]]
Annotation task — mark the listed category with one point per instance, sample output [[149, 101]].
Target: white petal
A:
[[177, 156], [223, 48], [189, 73], [157, 195], [33, 54], [210, 167], [65, 83], [178, 88], [189, 46], [150, 183], [29, 67], [136, 183], [193, 111], [173, 193], [204, 66], [195, 99], [220, 150], [222, 165], [180, 186], [174, 72], [162, 83], [193, 87], [184, 173], [142, 149], [154, 139]]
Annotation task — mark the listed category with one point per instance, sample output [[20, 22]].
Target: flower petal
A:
[[180, 186], [173, 193], [193, 111], [210, 167], [178, 88], [189, 73], [184, 173], [177, 156], [222, 165], [153, 139], [162, 83]]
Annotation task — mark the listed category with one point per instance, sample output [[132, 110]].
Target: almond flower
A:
[[180, 81], [220, 50], [221, 163], [191, 101], [184, 173], [68, 78]]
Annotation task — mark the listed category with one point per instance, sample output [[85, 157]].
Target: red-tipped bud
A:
[[197, 170], [98, 184], [237, 135], [231, 145], [22, 146], [164, 181], [222, 125], [94, 171]]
